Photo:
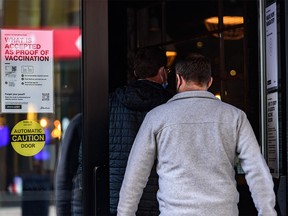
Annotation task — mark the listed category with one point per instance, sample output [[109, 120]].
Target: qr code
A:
[[11, 84], [45, 97]]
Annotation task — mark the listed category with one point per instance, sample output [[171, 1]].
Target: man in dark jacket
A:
[[68, 179], [128, 107]]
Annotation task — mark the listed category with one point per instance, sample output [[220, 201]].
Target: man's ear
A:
[[179, 80], [209, 82]]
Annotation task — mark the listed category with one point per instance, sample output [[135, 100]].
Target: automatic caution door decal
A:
[[28, 138]]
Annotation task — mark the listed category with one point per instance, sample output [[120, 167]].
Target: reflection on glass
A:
[[212, 24], [4, 132], [32, 176]]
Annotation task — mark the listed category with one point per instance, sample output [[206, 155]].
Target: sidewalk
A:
[[16, 211]]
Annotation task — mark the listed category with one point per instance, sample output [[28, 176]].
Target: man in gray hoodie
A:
[[195, 139]]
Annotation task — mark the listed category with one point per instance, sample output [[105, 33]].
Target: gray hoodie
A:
[[195, 138]]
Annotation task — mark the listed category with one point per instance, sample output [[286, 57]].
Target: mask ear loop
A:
[[135, 74], [165, 73], [160, 72]]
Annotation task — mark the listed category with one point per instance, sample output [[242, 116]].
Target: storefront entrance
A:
[[62, 58]]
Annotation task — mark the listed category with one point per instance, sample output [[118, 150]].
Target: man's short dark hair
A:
[[148, 60], [194, 67]]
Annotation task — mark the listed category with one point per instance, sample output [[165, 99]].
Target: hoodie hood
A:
[[142, 95]]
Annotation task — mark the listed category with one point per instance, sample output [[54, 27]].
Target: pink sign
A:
[[26, 71]]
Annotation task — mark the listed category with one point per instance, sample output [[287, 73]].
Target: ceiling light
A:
[[228, 21], [171, 55]]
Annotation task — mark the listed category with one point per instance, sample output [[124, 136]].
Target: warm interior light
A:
[[233, 72], [56, 132], [199, 44], [32, 114], [228, 21], [218, 96], [43, 122], [171, 55]]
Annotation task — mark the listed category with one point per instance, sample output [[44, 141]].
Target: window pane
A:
[[40, 94]]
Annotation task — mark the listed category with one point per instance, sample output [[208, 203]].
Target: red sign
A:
[[67, 43]]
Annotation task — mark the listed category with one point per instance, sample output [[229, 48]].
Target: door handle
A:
[[96, 176], [101, 190]]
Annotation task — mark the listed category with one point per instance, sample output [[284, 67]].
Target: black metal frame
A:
[[95, 106]]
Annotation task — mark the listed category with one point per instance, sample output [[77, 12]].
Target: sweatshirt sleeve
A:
[[257, 173], [139, 165]]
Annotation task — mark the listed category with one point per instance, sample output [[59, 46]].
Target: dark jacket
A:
[[68, 181], [128, 107]]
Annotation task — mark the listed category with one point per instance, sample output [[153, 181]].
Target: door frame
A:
[[95, 106]]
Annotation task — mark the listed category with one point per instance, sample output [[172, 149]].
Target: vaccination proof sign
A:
[[26, 71]]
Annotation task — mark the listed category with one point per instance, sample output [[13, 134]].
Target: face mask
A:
[[165, 83]]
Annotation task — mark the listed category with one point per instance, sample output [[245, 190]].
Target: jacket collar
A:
[[193, 94]]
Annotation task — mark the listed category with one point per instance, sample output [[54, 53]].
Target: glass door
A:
[[41, 92], [225, 32]]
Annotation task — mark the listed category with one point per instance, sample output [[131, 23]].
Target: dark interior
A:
[[179, 25]]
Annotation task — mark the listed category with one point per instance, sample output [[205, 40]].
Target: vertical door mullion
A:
[[95, 106]]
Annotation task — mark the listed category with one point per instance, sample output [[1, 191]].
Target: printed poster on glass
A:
[[27, 71]]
